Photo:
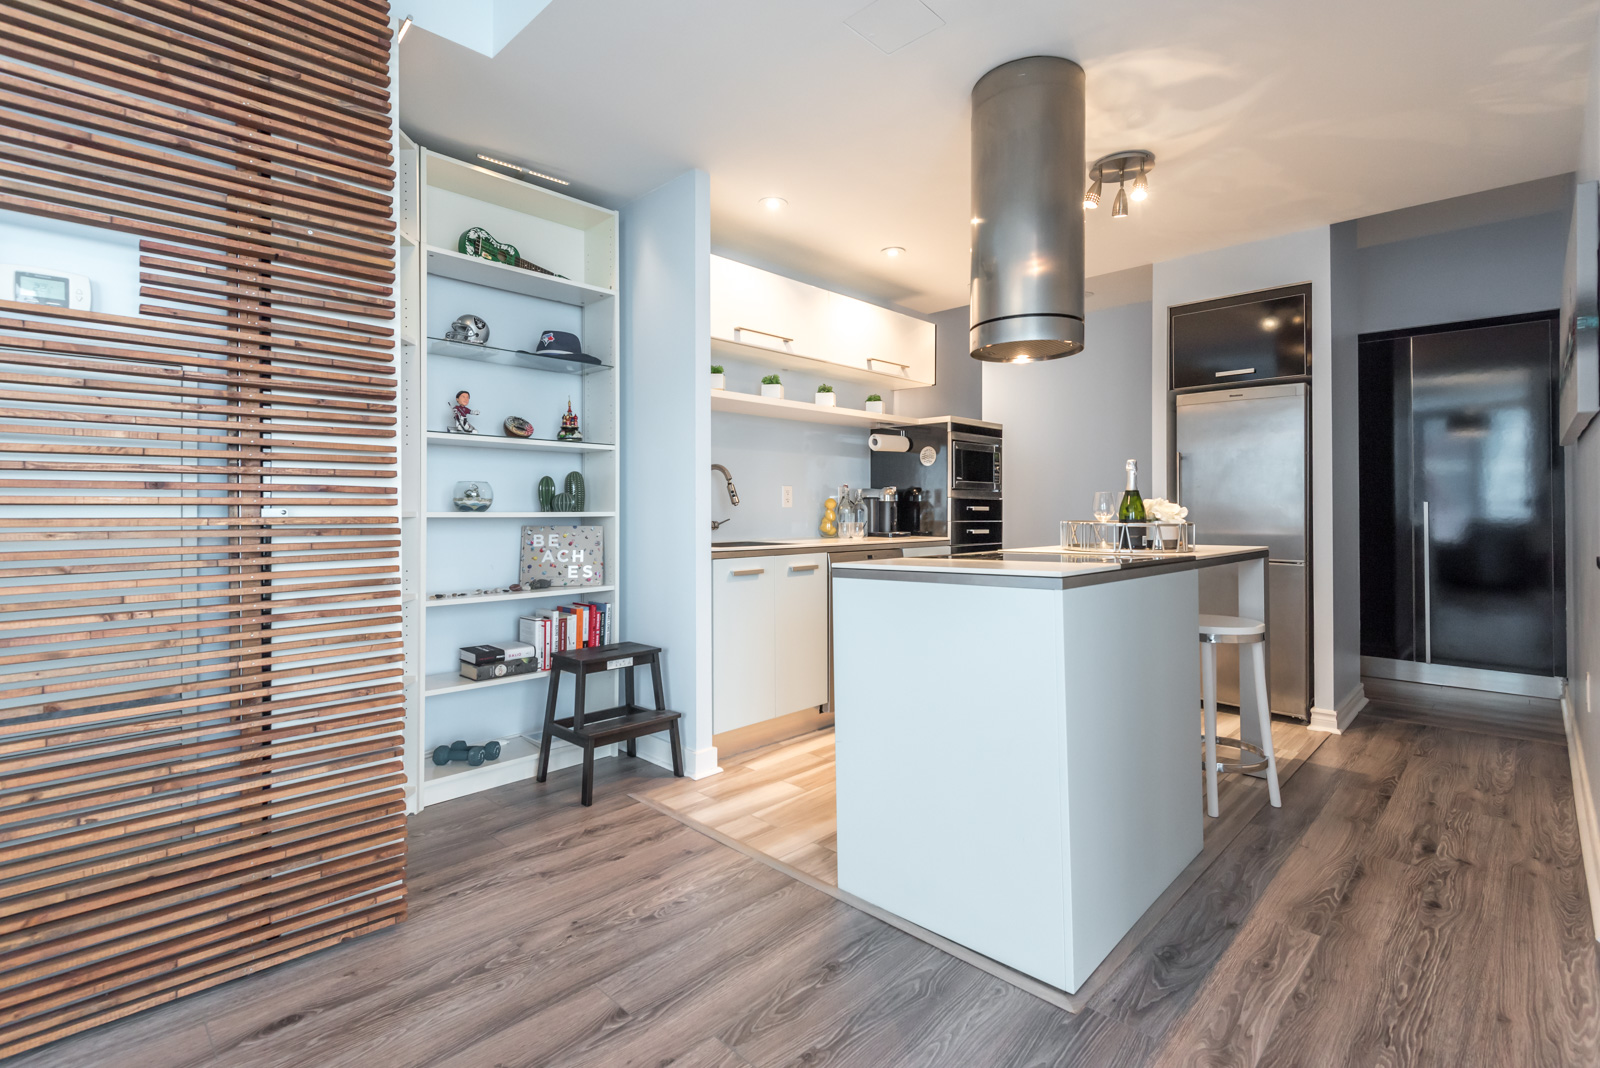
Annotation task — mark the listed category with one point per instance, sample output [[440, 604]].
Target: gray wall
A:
[[666, 449], [767, 454], [1501, 268], [1072, 423], [958, 389], [1583, 573]]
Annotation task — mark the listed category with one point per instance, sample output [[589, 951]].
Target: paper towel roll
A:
[[888, 442]]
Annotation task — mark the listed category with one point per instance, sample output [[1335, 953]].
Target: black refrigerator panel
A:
[[1462, 508], [1485, 491]]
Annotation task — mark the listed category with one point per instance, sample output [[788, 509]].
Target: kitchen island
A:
[[1017, 745]]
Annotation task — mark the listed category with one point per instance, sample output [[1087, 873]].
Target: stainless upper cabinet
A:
[[1241, 467]]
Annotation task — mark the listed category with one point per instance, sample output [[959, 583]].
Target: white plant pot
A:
[[775, 392], [828, 400], [875, 406], [719, 381]]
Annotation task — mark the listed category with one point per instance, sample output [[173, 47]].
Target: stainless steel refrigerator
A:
[[1241, 468]]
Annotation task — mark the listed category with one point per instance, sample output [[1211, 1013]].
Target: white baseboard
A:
[[1588, 819], [1336, 720], [697, 763]]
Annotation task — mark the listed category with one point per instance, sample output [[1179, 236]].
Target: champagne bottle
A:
[[1131, 509]]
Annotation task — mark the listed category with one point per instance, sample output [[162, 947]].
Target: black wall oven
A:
[[975, 489]]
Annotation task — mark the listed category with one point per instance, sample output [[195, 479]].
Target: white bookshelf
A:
[[453, 551]]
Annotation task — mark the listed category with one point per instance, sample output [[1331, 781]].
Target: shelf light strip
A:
[[523, 170]]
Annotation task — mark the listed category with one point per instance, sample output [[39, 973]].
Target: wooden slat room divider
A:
[[200, 641]]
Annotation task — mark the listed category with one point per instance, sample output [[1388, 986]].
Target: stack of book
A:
[[566, 627]]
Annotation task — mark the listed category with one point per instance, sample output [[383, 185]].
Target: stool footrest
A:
[[1241, 764], [615, 725]]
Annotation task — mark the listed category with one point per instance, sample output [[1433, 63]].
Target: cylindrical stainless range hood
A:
[[1027, 211]]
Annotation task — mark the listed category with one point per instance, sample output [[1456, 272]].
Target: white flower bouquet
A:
[[1169, 517]]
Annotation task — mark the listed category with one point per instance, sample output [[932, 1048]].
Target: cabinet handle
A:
[[905, 368], [752, 571], [764, 333], [804, 567], [1240, 371], [977, 507], [1427, 587], [984, 531]]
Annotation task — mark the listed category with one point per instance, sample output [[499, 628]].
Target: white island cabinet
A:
[[1017, 743]]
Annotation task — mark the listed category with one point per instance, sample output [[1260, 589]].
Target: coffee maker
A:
[[883, 511], [908, 511]]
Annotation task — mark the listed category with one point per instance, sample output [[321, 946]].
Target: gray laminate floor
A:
[[1419, 899]]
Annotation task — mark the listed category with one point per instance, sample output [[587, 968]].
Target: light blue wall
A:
[[767, 454], [1071, 424], [666, 448], [1502, 268], [958, 389]]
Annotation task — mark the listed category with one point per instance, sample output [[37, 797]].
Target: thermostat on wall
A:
[[38, 285]]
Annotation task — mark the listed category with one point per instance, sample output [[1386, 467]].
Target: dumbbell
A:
[[474, 755]]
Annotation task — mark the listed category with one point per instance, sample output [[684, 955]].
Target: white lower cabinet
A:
[[800, 633], [769, 637]]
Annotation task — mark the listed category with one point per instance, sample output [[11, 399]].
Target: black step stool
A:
[[621, 724]]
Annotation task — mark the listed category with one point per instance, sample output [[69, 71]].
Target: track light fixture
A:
[[1130, 165]]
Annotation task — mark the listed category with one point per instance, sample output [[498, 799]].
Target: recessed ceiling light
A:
[[773, 203], [976, 220], [523, 170], [892, 251]]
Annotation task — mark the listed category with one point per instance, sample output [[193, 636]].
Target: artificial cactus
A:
[[547, 494], [573, 485]]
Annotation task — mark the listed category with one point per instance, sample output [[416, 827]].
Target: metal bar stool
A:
[[1236, 630]]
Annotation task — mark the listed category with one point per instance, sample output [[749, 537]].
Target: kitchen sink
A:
[[743, 544]]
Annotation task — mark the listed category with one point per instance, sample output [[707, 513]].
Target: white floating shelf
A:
[[443, 683], [447, 263], [553, 591], [461, 350], [522, 515], [486, 441], [793, 361], [803, 411]]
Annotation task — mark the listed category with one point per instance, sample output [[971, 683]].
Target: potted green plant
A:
[[772, 387], [874, 403], [718, 379], [825, 396]]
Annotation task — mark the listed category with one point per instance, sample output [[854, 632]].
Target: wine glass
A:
[[1105, 510]]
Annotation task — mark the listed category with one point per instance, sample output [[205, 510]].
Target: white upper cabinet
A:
[[762, 316]]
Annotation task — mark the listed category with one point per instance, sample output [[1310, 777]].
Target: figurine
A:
[[473, 497], [460, 409], [569, 426]]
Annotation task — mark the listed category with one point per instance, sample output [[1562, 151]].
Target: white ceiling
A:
[[1265, 116]]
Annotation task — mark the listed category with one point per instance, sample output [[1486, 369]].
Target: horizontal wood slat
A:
[[202, 707]]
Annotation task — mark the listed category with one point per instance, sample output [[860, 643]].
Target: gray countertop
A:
[[1044, 567], [827, 545]]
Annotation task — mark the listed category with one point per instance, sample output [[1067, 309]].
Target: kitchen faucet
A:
[[733, 494]]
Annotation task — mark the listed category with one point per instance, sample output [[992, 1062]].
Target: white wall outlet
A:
[[788, 496]]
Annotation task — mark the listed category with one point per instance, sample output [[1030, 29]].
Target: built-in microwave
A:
[[974, 465]]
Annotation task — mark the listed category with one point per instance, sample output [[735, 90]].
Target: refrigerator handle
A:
[[1427, 588], [1178, 489]]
